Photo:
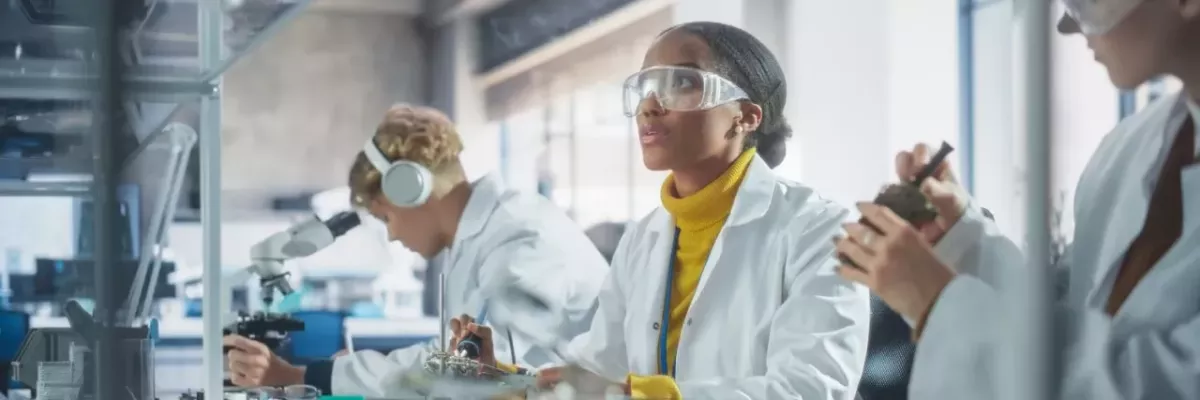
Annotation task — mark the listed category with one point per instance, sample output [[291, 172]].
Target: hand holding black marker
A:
[[906, 200]]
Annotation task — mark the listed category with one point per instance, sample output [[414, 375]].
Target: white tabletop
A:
[[358, 327]]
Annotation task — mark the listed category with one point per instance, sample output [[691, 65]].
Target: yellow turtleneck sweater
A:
[[699, 218]]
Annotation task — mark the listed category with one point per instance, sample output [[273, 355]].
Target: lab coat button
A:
[[655, 326], [689, 321]]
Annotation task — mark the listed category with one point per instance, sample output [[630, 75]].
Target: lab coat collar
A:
[[1145, 147], [752, 202], [485, 194], [754, 196], [1142, 138], [1191, 177]]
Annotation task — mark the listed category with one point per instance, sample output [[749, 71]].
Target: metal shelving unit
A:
[[154, 67]]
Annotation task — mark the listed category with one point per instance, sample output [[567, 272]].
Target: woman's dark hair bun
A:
[[748, 63], [771, 141]]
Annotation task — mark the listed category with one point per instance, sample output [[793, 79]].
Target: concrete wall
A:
[[297, 109]]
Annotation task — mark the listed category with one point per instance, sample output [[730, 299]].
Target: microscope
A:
[[268, 256]]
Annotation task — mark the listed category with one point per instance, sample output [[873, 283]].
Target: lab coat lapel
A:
[[752, 202], [655, 252], [1132, 197], [1132, 194], [1191, 200], [485, 194]]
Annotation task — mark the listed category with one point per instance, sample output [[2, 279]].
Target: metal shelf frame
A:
[[72, 189], [211, 27], [77, 87], [111, 87]]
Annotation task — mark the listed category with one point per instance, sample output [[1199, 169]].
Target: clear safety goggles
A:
[[679, 89], [1094, 17]]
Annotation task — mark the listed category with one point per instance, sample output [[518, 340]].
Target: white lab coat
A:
[[521, 255], [770, 318], [1149, 351]]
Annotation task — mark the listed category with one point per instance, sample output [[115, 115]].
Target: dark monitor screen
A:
[[126, 229], [65, 279]]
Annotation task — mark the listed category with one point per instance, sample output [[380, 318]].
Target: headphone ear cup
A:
[[407, 184]]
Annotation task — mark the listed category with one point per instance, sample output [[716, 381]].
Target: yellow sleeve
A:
[[657, 387], [509, 368]]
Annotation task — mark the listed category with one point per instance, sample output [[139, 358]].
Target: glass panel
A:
[[156, 171], [606, 167], [556, 175], [523, 141], [556, 168], [45, 147], [151, 181], [42, 42]]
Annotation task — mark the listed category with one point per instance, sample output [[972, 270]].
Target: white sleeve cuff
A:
[[955, 353], [964, 235]]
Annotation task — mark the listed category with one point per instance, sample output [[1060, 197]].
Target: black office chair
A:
[[605, 236], [890, 353]]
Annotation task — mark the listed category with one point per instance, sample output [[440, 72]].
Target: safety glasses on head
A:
[[404, 183], [679, 89], [1095, 17]]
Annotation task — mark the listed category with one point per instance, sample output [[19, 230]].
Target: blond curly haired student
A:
[[513, 259]]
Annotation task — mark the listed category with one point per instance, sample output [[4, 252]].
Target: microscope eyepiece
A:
[[343, 222]]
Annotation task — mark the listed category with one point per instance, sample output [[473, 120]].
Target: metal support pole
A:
[[1034, 370], [105, 175], [966, 92], [443, 320], [210, 17]]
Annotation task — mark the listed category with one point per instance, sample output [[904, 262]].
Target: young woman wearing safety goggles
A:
[[728, 291]]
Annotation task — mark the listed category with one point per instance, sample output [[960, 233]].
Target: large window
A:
[[583, 154], [1084, 108], [522, 138], [577, 148]]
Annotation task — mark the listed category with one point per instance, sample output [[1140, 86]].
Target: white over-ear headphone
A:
[[404, 183]]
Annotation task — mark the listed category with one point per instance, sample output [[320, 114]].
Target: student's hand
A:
[[580, 380], [515, 395], [251, 364], [548, 377], [465, 325], [896, 261], [941, 189]]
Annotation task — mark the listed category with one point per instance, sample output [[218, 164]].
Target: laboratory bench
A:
[[179, 351], [379, 334]]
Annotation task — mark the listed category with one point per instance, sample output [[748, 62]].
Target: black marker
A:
[[933, 164]]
